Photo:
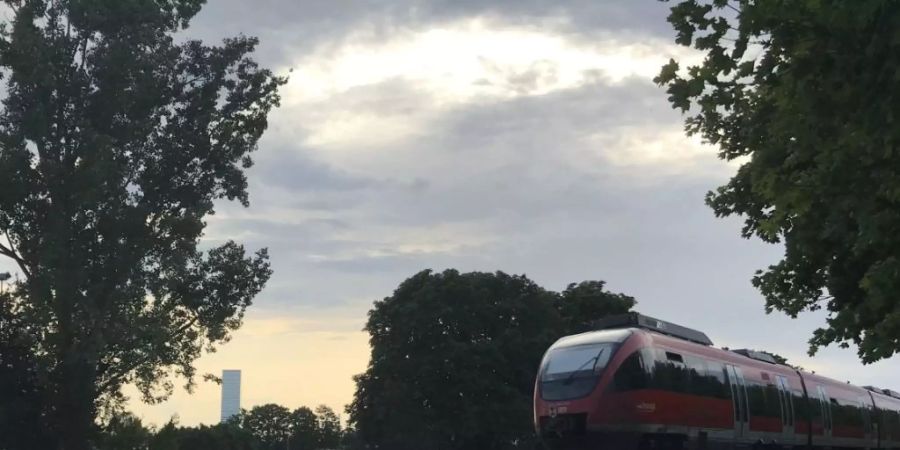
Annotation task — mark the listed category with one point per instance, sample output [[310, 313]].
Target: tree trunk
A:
[[74, 408]]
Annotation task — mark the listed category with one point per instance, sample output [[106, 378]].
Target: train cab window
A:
[[573, 372], [674, 357]]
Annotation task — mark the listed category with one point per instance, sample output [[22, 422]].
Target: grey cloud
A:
[[523, 174], [522, 197], [631, 17], [294, 170], [505, 158], [289, 27]]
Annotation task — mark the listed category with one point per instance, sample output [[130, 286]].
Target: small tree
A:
[[271, 425], [329, 428], [227, 436], [124, 431], [115, 144], [304, 429]]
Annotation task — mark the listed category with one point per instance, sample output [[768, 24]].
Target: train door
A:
[[739, 402], [825, 404], [787, 410], [869, 424]]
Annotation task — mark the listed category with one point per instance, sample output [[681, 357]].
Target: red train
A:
[[641, 383]]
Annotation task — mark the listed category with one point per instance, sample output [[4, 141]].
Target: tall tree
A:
[[804, 94], [115, 144], [454, 358]]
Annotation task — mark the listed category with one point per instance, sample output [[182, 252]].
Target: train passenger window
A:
[[669, 375], [773, 401], [816, 410], [739, 392], [718, 382], [788, 402], [763, 400], [696, 372], [631, 375], [801, 412], [826, 409], [864, 410]]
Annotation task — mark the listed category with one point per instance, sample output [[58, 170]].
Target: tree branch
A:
[[134, 365], [11, 253]]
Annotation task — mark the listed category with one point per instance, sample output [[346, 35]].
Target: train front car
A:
[[569, 391], [592, 388]]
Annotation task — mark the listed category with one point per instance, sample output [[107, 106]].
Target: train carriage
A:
[[638, 382]]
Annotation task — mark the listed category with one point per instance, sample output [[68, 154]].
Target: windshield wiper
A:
[[594, 360]]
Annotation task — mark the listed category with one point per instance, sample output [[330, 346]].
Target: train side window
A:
[[864, 411], [700, 383], [669, 375], [631, 375], [773, 401], [718, 382], [800, 410], [788, 403], [826, 409], [761, 400], [816, 408]]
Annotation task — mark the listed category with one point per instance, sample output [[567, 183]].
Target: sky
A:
[[524, 136]]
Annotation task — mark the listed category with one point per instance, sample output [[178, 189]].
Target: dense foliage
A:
[[115, 143], [275, 427], [454, 358], [804, 94], [23, 425], [227, 436], [264, 427]]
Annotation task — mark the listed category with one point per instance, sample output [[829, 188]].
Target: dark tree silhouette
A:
[[115, 144], [454, 358]]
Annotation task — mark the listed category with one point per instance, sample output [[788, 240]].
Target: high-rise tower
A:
[[231, 394]]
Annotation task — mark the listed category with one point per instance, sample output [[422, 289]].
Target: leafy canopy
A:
[[454, 358], [116, 142], [804, 94], [274, 427]]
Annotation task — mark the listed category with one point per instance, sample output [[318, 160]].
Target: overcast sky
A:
[[524, 136]]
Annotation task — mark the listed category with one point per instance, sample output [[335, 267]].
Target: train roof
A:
[[637, 320], [884, 392], [627, 324], [593, 337]]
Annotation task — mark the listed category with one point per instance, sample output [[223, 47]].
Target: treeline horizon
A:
[[453, 361], [263, 427]]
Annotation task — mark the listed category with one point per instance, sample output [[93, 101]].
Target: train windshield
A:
[[572, 372]]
